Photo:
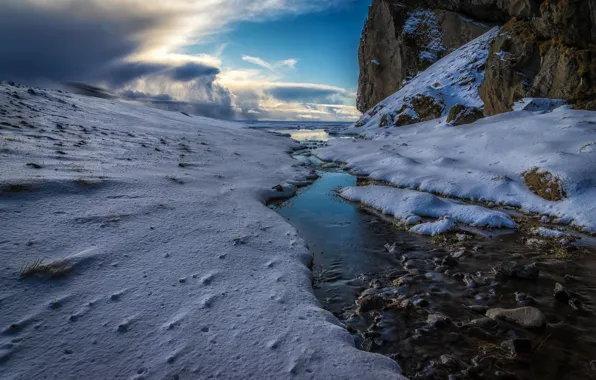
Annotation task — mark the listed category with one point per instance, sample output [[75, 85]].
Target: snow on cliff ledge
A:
[[173, 266], [455, 79]]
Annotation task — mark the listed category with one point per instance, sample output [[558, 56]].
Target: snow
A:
[[405, 204], [376, 62], [452, 80], [484, 161], [537, 104], [424, 23], [434, 228], [547, 232], [177, 267]]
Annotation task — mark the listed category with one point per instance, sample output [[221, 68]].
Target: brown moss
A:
[[50, 270], [544, 184]]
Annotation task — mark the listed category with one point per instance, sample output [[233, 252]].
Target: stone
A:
[[511, 269], [450, 261], [461, 114], [438, 320], [484, 323], [524, 299], [527, 317], [368, 303], [561, 294]]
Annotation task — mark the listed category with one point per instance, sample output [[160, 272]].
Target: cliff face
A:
[[401, 39], [545, 49], [550, 54]]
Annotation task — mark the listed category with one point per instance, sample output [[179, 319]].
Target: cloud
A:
[[258, 61], [134, 47]]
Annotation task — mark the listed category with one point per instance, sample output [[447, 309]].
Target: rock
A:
[[461, 114], [402, 38], [561, 294], [518, 346], [544, 54], [420, 302], [484, 323], [438, 320], [368, 303], [524, 299], [480, 309], [447, 360], [450, 261], [528, 317], [511, 269]]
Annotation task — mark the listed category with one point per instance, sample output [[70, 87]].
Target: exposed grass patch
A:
[[51, 270], [544, 184]]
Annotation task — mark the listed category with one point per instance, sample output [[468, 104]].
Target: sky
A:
[[229, 59]]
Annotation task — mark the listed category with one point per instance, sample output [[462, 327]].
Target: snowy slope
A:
[[174, 266], [485, 160], [455, 79]]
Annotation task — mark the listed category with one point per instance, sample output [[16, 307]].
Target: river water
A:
[[422, 302]]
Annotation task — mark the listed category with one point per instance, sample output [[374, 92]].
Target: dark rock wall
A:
[[547, 48]]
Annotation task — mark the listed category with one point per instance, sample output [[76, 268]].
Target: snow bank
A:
[[455, 79], [484, 161], [176, 268], [434, 228], [404, 203]]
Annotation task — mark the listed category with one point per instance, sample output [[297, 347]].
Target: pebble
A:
[[528, 317], [561, 294], [437, 320]]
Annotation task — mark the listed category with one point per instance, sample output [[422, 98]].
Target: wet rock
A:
[[501, 375], [524, 299], [511, 269], [438, 320], [518, 346], [480, 309], [469, 281], [528, 317], [561, 294], [368, 303], [420, 302], [450, 261], [448, 360], [418, 264]]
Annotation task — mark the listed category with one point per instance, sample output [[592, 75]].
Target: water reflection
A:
[[306, 134]]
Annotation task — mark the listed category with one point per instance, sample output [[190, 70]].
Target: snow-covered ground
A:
[[540, 158], [173, 266], [485, 161]]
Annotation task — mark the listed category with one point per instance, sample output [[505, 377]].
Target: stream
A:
[[422, 301]]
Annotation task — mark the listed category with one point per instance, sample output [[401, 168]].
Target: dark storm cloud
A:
[[192, 71], [304, 94], [49, 43]]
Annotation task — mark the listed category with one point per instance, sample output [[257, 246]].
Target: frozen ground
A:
[[172, 266]]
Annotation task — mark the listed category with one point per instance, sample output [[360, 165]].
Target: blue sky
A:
[[324, 43], [231, 59]]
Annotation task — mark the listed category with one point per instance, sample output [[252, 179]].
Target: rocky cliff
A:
[[546, 48], [401, 39], [550, 53]]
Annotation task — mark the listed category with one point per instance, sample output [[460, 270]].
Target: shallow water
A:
[[347, 243]]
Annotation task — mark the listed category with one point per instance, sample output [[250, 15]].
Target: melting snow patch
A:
[[434, 228], [405, 204]]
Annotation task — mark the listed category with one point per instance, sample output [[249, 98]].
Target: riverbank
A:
[[435, 305], [136, 243]]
